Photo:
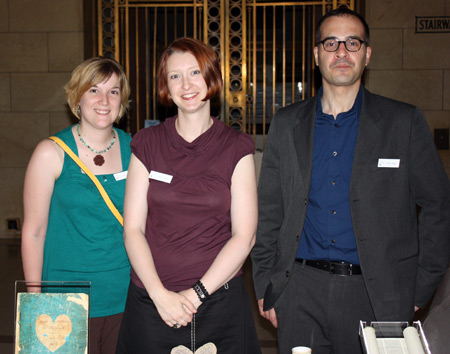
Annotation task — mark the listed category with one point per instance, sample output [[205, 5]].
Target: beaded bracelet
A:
[[201, 291]]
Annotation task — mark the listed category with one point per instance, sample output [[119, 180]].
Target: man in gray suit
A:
[[354, 202]]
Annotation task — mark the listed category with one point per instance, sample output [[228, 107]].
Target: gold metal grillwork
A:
[[265, 49]]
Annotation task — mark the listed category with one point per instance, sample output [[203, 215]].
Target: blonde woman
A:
[[69, 234]]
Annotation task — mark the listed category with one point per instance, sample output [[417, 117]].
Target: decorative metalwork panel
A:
[[280, 64], [333, 4], [135, 33], [265, 49], [236, 64], [281, 70], [214, 30], [106, 28]]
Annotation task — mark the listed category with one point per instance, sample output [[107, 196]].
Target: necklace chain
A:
[[93, 150]]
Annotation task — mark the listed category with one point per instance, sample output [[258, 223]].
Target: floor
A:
[[11, 270]]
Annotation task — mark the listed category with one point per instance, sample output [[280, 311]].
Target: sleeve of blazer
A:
[[270, 218], [430, 188]]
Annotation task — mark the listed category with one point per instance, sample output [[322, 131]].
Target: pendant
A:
[[99, 160]]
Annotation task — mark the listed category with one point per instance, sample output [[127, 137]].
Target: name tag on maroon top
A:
[[162, 177]]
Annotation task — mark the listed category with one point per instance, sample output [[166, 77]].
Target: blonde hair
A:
[[92, 72]]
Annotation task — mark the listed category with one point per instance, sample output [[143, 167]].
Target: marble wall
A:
[[42, 41]]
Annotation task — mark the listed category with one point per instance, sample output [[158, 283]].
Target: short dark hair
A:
[[343, 11], [207, 61]]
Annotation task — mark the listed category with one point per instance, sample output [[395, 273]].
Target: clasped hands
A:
[[176, 309]]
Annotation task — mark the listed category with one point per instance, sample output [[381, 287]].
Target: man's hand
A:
[[268, 315]]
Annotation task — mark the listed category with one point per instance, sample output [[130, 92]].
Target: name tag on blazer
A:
[[389, 163]]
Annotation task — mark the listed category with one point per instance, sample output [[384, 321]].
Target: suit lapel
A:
[[304, 139], [368, 138]]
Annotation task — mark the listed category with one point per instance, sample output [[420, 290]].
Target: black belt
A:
[[333, 267]]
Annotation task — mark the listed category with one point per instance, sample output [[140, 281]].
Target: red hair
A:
[[207, 61]]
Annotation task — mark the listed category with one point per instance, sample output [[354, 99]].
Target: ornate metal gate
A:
[[265, 49]]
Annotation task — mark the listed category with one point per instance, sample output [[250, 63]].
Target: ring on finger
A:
[[176, 326]]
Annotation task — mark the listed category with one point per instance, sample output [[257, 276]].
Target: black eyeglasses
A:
[[351, 44]]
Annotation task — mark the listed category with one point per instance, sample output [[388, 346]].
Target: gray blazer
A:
[[400, 216]]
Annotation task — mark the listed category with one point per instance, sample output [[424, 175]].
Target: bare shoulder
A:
[[48, 149], [49, 156]]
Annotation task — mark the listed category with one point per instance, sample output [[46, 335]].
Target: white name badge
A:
[[389, 163], [120, 175], [162, 177]]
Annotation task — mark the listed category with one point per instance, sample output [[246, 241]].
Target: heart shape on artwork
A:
[[53, 334], [208, 348]]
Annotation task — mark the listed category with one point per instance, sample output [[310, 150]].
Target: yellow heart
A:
[[53, 334]]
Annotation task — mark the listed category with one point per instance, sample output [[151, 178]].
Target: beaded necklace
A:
[[99, 160]]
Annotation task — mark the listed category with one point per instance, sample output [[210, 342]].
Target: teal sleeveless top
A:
[[84, 240]]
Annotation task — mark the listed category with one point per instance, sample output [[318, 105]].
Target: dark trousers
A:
[[103, 334], [322, 311], [225, 320]]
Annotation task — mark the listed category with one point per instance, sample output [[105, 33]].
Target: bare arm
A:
[[244, 216], [173, 308], [43, 169]]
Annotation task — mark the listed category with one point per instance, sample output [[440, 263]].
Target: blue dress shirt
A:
[[328, 231]]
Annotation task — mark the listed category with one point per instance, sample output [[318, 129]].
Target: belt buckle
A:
[[348, 269]]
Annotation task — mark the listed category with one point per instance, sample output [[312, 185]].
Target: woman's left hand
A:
[[174, 308], [192, 297]]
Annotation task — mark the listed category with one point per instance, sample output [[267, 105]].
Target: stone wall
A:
[[408, 66], [40, 44]]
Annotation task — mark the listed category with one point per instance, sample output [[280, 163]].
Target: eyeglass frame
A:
[[345, 44]]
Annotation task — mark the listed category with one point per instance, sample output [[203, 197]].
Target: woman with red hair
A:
[[190, 219]]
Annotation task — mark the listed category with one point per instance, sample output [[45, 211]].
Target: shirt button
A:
[[333, 241], [298, 238], [333, 212], [306, 201], [334, 153], [336, 125], [333, 182], [287, 274]]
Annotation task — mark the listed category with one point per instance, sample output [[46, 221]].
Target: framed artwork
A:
[[52, 322]]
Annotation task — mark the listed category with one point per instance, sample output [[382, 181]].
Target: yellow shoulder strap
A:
[[94, 179]]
